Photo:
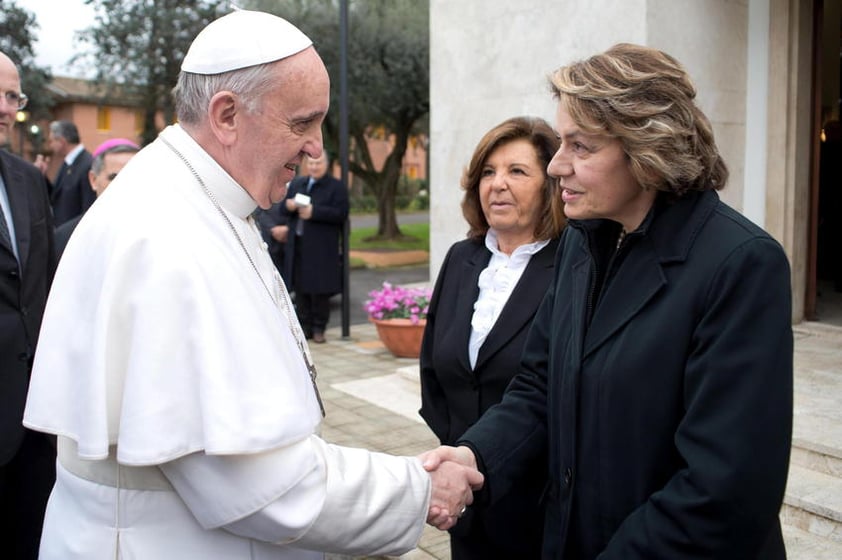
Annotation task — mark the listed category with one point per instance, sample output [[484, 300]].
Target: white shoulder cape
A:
[[158, 335]]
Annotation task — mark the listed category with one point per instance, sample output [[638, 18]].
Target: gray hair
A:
[[98, 162], [66, 130], [193, 92]]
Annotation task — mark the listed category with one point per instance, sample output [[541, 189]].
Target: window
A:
[[103, 118]]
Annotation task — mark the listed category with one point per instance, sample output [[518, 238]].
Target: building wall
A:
[[489, 60], [789, 142]]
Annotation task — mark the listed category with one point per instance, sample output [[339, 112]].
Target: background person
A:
[[27, 458], [488, 289], [172, 367], [658, 371], [71, 192], [108, 159], [274, 229], [313, 253]]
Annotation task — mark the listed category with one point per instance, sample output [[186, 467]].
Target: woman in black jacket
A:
[[488, 289], [657, 375]]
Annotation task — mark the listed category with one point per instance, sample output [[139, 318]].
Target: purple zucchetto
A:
[[113, 143]]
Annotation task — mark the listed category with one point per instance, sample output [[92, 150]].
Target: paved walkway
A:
[[371, 401], [372, 398]]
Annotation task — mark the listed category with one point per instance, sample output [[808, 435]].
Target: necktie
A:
[[60, 174], [5, 236]]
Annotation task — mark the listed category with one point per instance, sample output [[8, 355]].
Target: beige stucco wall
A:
[[789, 125]]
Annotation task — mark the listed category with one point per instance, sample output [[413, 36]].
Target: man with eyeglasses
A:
[[109, 159], [15, 99], [27, 458]]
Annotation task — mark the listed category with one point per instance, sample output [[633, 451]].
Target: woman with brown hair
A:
[[489, 288]]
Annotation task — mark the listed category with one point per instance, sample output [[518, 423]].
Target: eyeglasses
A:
[[15, 99]]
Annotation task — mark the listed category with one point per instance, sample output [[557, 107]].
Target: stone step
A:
[[813, 503], [817, 444], [812, 511], [803, 545]]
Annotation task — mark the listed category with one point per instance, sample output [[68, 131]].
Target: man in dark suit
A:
[[72, 193], [316, 206], [274, 229], [27, 459]]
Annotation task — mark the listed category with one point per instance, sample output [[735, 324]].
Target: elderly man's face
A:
[[9, 82], [287, 127]]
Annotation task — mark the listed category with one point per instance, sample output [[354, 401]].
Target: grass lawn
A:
[[416, 237]]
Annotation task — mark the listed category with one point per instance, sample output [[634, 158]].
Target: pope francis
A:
[[170, 364]]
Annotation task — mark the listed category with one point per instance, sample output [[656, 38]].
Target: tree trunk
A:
[[387, 221], [387, 227]]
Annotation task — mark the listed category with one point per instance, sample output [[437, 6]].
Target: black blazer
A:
[[665, 404], [321, 271], [23, 291], [63, 233], [72, 193], [453, 396], [266, 220]]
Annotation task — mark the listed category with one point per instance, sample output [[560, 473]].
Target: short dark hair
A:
[[545, 141]]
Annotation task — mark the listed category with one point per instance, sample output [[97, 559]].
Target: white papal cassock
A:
[[184, 409]]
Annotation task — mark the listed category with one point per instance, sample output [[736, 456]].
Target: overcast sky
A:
[[58, 21]]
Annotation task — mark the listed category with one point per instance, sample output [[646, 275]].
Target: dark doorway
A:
[[827, 189]]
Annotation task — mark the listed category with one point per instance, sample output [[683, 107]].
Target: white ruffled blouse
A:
[[496, 284]]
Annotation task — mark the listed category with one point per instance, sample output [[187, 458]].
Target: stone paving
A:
[[344, 366], [371, 399]]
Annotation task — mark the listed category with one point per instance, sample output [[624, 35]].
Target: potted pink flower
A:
[[400, 314]]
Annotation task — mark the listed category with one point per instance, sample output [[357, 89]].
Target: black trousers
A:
[[25, 485], [313, 312]]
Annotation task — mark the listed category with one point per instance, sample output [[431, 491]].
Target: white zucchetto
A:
[[241, 39]]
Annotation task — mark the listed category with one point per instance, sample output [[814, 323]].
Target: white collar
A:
[[521, 253], [71, 156], [232, 196]]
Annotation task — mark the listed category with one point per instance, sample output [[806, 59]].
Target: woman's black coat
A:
[[665, 404], [454, 396]]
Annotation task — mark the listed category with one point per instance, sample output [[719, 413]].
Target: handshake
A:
[[455, 477]]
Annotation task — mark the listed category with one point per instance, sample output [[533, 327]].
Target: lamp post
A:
[[343, 158], [21, 117]]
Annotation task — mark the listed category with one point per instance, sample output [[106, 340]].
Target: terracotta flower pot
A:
[[400, 336]]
